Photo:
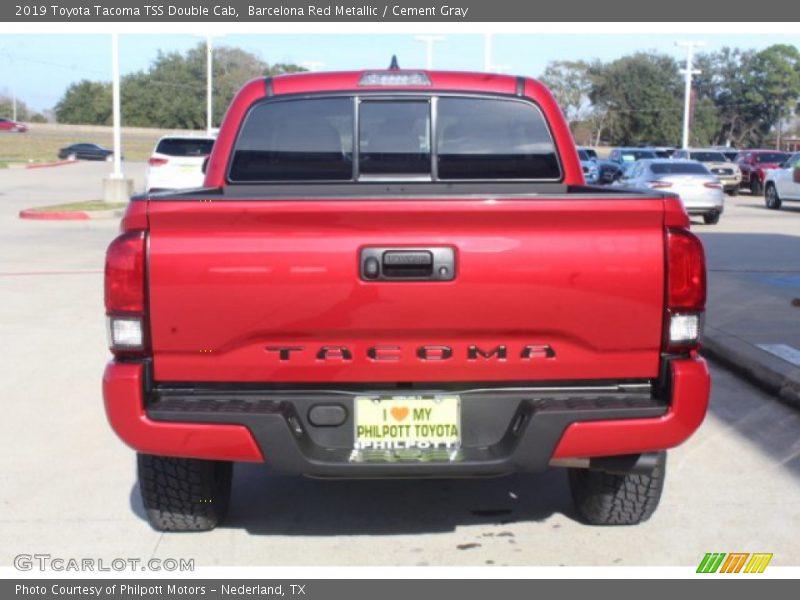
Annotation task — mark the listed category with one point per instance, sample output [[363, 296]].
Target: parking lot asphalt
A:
[[68, 488], [753, 316]]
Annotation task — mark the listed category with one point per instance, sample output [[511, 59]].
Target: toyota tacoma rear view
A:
[[402, 274]]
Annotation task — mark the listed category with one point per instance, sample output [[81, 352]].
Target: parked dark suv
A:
[[614, 166]]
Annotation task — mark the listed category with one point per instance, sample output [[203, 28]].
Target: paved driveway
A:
[[67, 485]]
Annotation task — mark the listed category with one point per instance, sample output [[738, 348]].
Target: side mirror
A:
[[205, 165], [796, 174]]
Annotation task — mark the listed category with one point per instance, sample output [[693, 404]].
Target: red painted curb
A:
[[51, 164], [64, 215]]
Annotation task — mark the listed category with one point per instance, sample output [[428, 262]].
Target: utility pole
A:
[[687, 94], [429, 40]]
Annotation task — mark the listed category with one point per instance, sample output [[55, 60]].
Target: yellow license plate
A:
[[408, 423]]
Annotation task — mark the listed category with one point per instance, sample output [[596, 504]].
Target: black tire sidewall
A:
[[771, 198]]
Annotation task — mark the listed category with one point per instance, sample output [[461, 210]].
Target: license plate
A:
[[189, 169], [408, 424]]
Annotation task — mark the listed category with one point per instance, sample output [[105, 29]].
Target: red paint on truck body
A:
[[231, 278]]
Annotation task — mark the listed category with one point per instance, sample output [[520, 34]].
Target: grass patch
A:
[[42, 143], [86, 205], [3, 165]]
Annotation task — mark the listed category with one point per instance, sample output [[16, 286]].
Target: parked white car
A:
[[783, 184], [177, 162], [700, 190]]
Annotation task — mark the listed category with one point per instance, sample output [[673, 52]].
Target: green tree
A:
[[171, 92], [725, 79], [570, 84], [643, 92], [85, 102], [641, 96], [7, 108], [23, 112], [705, 123], [754, 92], [777, 85]]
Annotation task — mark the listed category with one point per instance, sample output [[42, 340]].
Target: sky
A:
[[39, 67]]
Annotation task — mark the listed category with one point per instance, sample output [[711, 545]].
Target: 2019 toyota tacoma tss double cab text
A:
[[402, 274]]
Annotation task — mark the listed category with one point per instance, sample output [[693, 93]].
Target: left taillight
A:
[[125, 294]]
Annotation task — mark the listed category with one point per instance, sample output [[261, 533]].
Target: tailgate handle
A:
[[401, 264], [407, 264]]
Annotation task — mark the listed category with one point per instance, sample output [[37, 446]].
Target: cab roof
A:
[[456, 81]]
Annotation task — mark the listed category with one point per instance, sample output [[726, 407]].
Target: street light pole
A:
[[115, 187], [687, 94], [13, 90], [209, 85], [312, 65], [117, 174], [429, 40]]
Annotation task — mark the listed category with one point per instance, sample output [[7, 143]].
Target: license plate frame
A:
[[408, 426]]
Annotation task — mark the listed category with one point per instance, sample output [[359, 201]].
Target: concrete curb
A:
[[69, 215], [759, 367], [51, 164]]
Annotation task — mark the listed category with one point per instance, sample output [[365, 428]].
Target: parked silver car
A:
[[726, 171], [700, 191]]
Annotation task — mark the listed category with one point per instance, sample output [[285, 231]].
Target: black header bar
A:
[[449, 11]]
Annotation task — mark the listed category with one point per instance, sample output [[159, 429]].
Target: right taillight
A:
[[125, 294], [686, 291]]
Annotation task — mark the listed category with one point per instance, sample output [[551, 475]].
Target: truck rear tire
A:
[[184, 494], [711, 218], [617, 499]]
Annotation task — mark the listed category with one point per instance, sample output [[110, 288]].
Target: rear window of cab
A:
[[394, 138], [185, 146]]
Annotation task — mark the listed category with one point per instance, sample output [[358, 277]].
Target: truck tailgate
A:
[[578, 282]]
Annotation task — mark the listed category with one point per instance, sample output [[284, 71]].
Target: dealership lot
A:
[[67, 485]]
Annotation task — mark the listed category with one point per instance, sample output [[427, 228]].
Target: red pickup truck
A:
[[402, 274]]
